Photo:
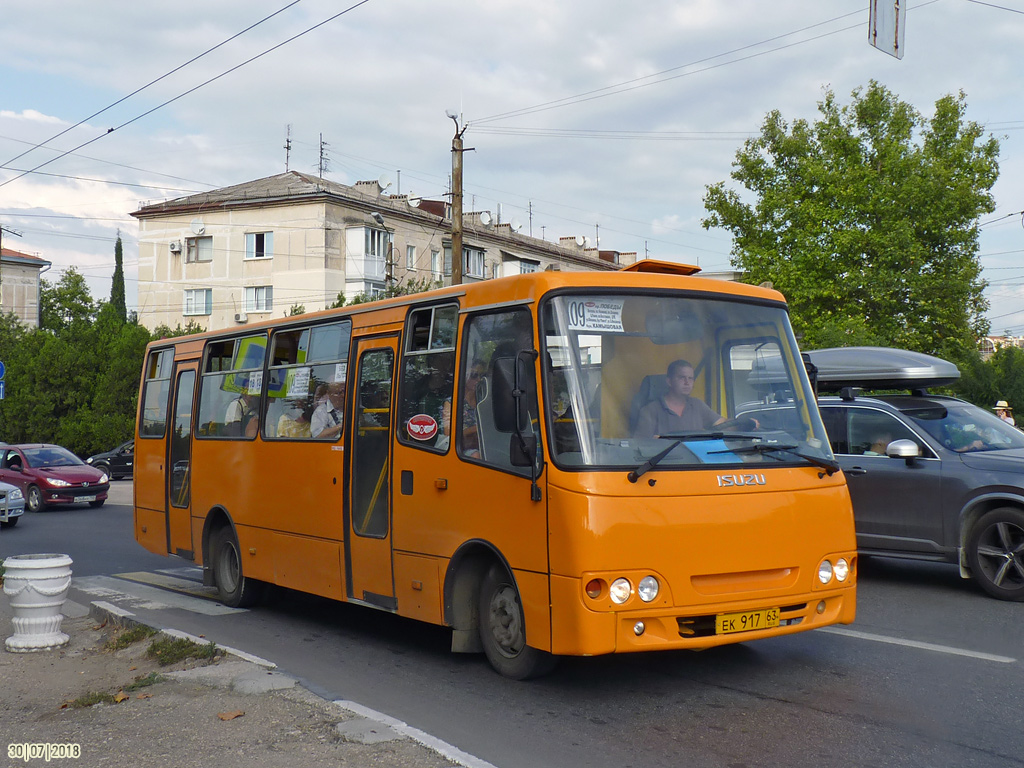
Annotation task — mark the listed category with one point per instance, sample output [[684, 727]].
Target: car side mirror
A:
[[903, 449]]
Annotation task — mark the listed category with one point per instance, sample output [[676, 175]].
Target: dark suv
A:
[[931, 477], [116, 463]]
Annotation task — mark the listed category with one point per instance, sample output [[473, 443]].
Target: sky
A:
[[586, 117]]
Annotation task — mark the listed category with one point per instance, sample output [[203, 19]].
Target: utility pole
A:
[[287, 147], [457, 150]]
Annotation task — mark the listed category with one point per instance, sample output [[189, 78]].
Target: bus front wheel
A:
[[235, 588], [503, 630]]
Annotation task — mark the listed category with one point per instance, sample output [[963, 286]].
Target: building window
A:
[[435, 264], [410, 257], [198, 301], [259, 245], [199, 249], [473, 261], [259, 299], [377, 241], [525, 267]]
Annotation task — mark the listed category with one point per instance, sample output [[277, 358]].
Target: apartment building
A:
[[257, 250], [20, 277]]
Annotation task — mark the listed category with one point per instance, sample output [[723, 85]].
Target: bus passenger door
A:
[[179, 465], [368, 539]]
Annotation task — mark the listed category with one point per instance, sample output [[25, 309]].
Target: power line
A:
[[111, 162], [638, 82], [152, 82], [993, 5], [190, 90]]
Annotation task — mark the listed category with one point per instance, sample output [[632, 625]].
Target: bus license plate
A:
[[746, 622]]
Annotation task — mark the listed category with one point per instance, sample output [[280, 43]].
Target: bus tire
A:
[[995, 552], [234, 588], [503, 630]]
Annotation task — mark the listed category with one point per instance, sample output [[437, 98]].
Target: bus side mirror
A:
[[502, 393], [517, 456], [812, 372]]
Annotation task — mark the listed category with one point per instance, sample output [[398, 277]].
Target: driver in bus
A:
[[676, 410]]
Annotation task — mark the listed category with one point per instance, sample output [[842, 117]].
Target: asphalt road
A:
[[932, 673]]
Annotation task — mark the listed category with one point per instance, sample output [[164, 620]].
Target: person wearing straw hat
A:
[[1005, 412]]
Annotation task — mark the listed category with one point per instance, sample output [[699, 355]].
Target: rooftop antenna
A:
[[324, 162], [287, 147]]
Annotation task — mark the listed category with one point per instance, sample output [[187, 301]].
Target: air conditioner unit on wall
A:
[[176, 247], [241, 317]]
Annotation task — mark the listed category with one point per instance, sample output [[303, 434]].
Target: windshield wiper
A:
[[635, 474], [716, 435], [830, 467], [679, 437]]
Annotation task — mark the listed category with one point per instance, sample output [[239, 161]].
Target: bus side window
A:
[[428, 367], [231, 386], [155, 393], [490, 338]]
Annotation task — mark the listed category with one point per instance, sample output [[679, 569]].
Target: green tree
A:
[[399, 288], [66, 303], [117, 287], [866, 220], [74, 380]]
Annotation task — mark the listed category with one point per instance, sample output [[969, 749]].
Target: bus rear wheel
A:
[[503, 630], [235, 588]]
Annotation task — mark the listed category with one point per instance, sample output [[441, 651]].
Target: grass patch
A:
[[144, 682], [171, 650], [92, 698], [129, 636]]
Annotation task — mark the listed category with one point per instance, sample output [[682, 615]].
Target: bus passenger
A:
[[470, 441], [326, 421], [241, 417], [676, 410]]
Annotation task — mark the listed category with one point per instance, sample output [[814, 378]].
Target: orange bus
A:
[[549, 464]]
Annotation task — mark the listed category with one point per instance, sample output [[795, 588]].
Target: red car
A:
[[49, 474]]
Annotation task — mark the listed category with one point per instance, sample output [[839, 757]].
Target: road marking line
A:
[[918, 644], [445, 749]]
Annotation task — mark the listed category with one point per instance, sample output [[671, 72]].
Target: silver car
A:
[[12, 505]]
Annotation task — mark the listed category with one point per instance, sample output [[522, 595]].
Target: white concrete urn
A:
[[37, 586]]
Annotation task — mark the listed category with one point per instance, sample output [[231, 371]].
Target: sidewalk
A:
[[231, 713]]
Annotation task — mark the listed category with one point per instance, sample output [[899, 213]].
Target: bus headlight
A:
[[825, 572], [620, 591], [842, 569], [648, 588]]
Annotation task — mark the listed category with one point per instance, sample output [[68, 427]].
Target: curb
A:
[[367, 726]]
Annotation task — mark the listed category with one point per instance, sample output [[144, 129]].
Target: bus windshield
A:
[[680, 381]]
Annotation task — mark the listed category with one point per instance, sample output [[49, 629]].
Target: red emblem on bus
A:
[[422, 426]]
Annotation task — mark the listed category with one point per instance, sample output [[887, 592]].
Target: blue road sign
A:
[[3, 369], [1, 389]]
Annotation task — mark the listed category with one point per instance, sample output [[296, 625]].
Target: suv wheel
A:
[[995, 551]]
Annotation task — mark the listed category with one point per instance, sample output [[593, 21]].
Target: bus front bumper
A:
[[579, 631]]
